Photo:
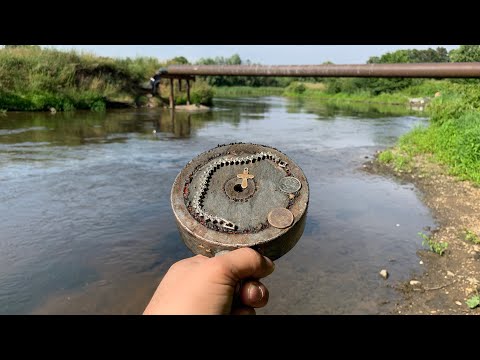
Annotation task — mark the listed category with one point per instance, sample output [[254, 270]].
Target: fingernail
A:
[[255, 293]]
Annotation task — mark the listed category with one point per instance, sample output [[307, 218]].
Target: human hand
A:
[[208, 286]]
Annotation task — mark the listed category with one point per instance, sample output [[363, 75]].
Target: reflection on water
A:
[[87, 225], [332, 108]]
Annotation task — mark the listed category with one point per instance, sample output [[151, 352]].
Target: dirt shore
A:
[[449, 280]]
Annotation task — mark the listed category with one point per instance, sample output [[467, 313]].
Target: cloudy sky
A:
[[264, 54]]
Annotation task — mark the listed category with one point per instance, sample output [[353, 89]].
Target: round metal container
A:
[[240, 195]]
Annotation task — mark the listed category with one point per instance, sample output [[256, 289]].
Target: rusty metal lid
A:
[[223, 197]]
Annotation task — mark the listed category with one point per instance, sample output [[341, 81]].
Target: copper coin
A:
[[280, 218]]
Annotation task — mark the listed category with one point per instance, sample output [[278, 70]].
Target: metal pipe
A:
[[420, 70]]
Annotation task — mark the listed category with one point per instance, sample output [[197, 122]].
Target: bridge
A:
[[188, 73]]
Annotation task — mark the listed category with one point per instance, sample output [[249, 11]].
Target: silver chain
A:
[[198, 198]]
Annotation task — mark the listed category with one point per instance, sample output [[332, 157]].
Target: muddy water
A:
[[87, 228]]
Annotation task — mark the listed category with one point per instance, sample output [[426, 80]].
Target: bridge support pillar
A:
[[188, 92], [172, 94]]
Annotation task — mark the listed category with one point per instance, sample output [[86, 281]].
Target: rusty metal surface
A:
[[199, 192], [421, 70]]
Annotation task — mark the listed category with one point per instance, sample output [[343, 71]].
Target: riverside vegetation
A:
[[36, 79]]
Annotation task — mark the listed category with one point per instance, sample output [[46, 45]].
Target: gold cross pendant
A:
[[244, 177]]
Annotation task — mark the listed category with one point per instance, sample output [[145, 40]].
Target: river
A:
[[87, 227]]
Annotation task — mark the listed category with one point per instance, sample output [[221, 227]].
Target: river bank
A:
[[449, 282], [443, 161], [42, 79], [412, 97], [320, 91], [311, 91]]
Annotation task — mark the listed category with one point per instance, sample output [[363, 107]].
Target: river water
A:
[[87, 228]]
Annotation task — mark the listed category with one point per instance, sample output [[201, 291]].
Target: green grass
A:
[[236, 91], [454, 142], [473, 301], [472, 237], [425, 89], [319, 91], [438, 247], [400, 162], [386, 157], [361, 96]]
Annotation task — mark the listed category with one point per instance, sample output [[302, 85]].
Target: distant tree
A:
[[236, 80], [399, 56], [206, 61], [412, 56], [443, 54], [178, 60], [428, 56], [380, 85], [234, 60], [33, 47], [465, 53]]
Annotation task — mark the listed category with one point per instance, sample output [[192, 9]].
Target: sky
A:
[[262, 54]]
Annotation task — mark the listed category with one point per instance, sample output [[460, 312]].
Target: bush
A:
[[296, 88], [32, 78], [456, 100], [200, 94]]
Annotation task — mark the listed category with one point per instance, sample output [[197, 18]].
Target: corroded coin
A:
[[280, 218], [290, 184]]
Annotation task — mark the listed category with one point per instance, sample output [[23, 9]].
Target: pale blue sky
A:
[[264, 54]]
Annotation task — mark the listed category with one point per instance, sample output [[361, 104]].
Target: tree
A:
[[235, 80], [178, 60], [465, 53], [379, 85], [234, 60], [33, 47], [412, 56]]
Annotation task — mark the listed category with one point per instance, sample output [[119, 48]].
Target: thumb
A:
[[246, 263]]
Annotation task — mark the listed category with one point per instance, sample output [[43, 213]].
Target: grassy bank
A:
[[452, 137], [235, 91], [318, 91], [35, 79], [322, 91], [312, 91]]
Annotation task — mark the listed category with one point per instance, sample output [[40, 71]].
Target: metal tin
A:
[[223, 197]]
